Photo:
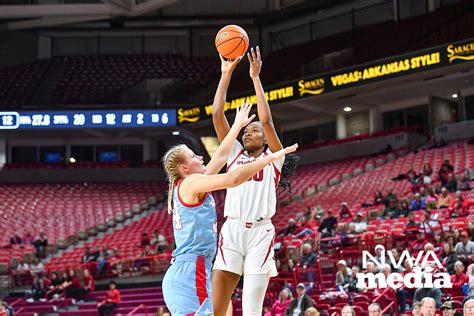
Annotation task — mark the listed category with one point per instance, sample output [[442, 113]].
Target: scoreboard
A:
[[87, 119]]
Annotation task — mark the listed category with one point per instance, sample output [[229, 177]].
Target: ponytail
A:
[[171, 161], [287, 171]]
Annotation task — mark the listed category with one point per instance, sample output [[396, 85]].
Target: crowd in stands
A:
[[431, 199], [39, 243]]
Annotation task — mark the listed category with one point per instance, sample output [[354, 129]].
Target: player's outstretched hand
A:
[[228, 66], [255, 60], [288, 150], [242, 118]]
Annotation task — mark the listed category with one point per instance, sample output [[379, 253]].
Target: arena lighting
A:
[[347, 109], [72, 160], [454, 96], [175, 133]]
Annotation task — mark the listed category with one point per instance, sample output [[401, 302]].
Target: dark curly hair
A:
[[287, 171]]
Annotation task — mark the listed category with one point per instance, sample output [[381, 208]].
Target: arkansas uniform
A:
[[246, 238]]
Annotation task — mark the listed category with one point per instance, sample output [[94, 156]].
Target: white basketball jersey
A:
[[255, 198]]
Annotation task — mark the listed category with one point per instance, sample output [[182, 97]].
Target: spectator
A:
[[341, 234], [284, 299], [426, 173], [328, 225], [345, 215], [438, 243], [428, 306], [444, 199], [28, 239], [403, 211], [375, 310], [55, 283], [418, 204], [303, 228], [465, 248], [431, 199], [459, 209], [38, 289], [145, 241], [162, 311], [299, 304], [448, 309], [431, 293], [451, 183], [353, 280], [40, 244], [457, 195], [111, 301], [308, 260], [71, 285], [443, 172], [37, 267], [348, 311], [86, 256], [416, 308], [419, 244], [391, 209], [458, 280], [378, 198], [469, 307], [311, 312], [360, 224], [343, 276], [159, 241], [89, 282], [429, 222], [463, 183], [290, 229], [15, 240], [5, 309], [23, 273], [390, 195], [102, 260], [95, 254]]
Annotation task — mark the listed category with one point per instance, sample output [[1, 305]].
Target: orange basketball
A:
[[232, 41]]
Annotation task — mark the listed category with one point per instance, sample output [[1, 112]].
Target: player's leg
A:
[[230, 309], [255, 287], [228, 265], [259, 266], [223, 285]]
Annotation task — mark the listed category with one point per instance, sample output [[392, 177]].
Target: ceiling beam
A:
[[53, 21]]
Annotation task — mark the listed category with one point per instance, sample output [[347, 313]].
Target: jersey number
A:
[[177, 219], [258, 177]]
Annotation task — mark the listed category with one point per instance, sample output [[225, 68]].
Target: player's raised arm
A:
[[221, 125], [264, 113], [198, 183], [223, 151]]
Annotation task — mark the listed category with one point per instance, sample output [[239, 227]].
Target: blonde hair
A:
[[171, 161], [311, 311]]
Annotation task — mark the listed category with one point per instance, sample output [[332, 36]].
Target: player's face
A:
[[194, 163], [253, 138]]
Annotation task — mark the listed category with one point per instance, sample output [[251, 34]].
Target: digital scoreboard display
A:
[[87, 119]]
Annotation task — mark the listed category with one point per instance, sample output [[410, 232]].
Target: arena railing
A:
[[136, 309], [393, 305]]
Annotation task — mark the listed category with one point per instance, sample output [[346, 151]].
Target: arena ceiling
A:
[[31, 14]]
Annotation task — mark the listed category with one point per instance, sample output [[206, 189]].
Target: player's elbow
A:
[[233, 180]]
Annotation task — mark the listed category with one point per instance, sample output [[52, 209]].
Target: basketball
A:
[[232, 41]]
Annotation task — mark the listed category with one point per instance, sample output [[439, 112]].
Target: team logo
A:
[[189, 115]]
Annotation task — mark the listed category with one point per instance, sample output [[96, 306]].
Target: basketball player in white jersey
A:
[[245, 244]]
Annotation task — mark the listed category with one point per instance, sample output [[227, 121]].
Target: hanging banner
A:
[[388, 68]]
